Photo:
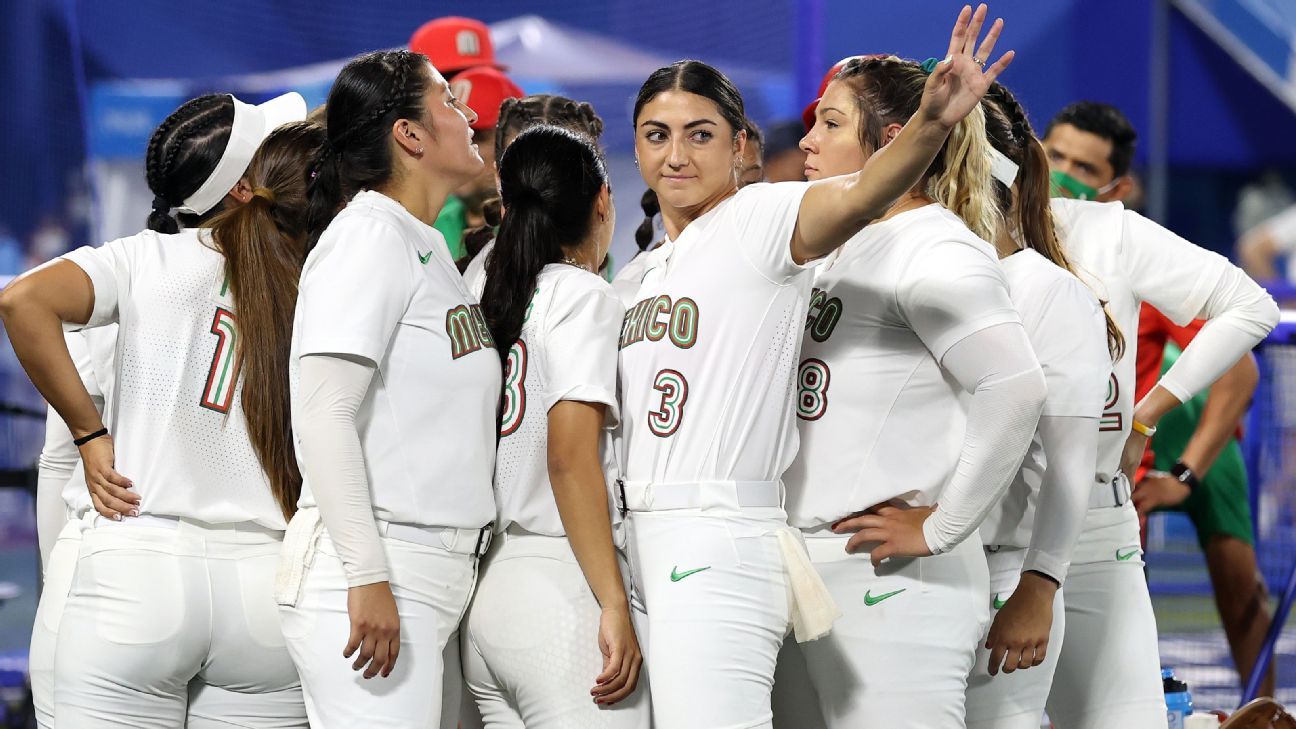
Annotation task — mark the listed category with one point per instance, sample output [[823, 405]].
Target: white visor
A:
[[1002, 168], [252, 124]]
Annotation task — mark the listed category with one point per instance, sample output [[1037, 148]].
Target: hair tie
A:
[[160, 205], [265, 193], [929, 65]]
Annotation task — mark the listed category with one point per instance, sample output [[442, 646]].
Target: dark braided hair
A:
[[182, 153], [515, 117], [695, 77], [1030, 215], [370, 94], [651, 209]]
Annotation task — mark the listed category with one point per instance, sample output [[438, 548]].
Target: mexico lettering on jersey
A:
[[708, 349], [467, 330], [871, 398]]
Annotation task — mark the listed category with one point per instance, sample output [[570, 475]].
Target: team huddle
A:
[[848, 452]]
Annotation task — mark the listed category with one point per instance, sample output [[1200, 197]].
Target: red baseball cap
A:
[[808, 116], [454, 44], [483, 89]]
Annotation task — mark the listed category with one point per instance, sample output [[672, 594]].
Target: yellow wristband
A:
[[1141, 429]]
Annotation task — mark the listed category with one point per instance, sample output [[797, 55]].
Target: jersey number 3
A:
[[218, 395], [514, 406], [812, 389], [665, 420]]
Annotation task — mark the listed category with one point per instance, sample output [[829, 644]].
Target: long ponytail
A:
[[549, 180], [888, 91], [651, 209], [264, 245], [1030, 215]]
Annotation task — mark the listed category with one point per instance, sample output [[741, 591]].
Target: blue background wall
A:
[[1224, 125]]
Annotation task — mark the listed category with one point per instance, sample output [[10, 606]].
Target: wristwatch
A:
[[1184, 475]]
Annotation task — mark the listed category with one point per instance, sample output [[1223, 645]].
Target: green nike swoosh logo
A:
[[998, 604], [871, 601], [1125, 557], [676, 575], [424, 259]]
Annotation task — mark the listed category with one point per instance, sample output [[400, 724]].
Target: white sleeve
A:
[[1239, 314], [951, 293], [999, 368], [1186, 282], [354, 289], [766, 217], [109, 270], [580, 348], [58, 459], [332, 389], [1070, 451]]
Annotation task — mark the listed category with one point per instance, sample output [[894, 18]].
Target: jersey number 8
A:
[[514, 405], [665, 420], [812, 389]]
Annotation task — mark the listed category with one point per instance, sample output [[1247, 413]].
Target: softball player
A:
[[1030, 534], [1107, 672], [169, 618], [61, 501], [515, 117], [536, 662], [914, 361], [395, 388], [707, 363]]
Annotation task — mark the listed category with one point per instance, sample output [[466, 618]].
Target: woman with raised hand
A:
[[708, 359]]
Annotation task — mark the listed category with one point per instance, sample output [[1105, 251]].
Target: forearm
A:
[[1008, 392], [1070, 452], [332, 389], [581, 495], [36, 333], [1226, 405], [835, 209]]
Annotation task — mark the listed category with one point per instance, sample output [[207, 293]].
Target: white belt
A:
[[1111, 494], [458, 541], [160, 521], [650, 496]]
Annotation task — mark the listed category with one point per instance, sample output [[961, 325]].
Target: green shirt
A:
[[451, 223]]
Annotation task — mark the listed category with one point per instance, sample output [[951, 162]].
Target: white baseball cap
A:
[[252, 124]]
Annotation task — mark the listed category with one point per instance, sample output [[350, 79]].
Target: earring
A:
[[419, 151], [636, 163]]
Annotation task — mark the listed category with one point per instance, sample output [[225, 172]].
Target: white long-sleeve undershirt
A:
[[1070, 449], [332, 390], [998, 366]]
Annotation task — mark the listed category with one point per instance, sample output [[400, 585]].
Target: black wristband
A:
[[78, 442], [1184, 475], [1048, 577]]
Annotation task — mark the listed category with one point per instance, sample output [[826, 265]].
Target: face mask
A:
[[1064, 185]]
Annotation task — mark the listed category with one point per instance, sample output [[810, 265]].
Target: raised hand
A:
[[958, 82]]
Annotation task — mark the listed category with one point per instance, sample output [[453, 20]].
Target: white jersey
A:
[[474, 274], [629, 278], [567, 351], [176, 411], [1067, 329], [380, 285], [879, 417], [708, 353], [1127, 259]]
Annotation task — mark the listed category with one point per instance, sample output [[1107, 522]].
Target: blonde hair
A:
[[888, 91]]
